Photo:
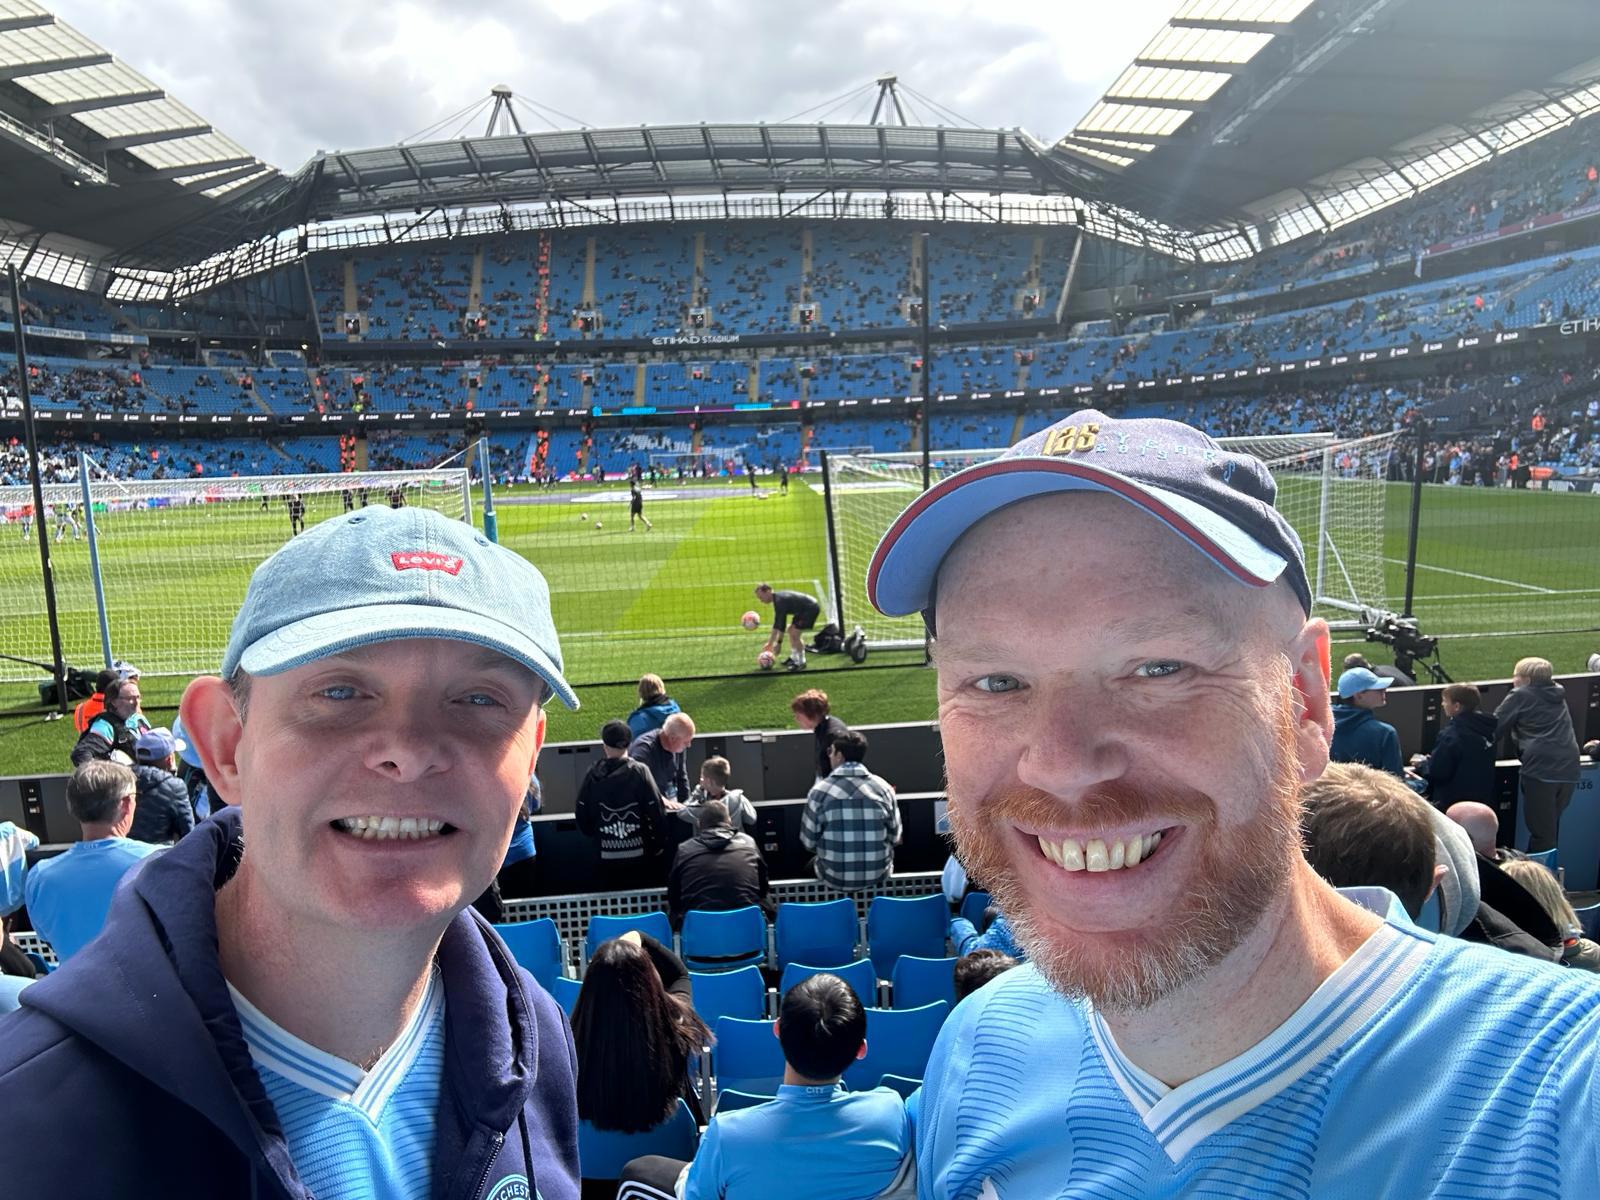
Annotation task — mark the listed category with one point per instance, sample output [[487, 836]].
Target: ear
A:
[[1439, 872], [862, 1053], [1313, 708], [538, 739], [212, 723], [775, 1025]]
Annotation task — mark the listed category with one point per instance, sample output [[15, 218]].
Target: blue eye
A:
[[483, 700], [1161, 668], [338, 691], [997, 684]]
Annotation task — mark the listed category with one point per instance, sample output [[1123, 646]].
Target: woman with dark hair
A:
[[635, 1030]]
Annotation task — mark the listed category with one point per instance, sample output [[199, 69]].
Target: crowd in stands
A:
[[1552, 174]]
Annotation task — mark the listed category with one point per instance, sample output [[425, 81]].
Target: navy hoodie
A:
[[126, 1074], [1461, 766], [1360, 737]]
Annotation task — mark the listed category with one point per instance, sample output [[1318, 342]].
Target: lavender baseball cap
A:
[[1218, 500]]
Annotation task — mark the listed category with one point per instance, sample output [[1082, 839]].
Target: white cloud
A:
[[288, 77]]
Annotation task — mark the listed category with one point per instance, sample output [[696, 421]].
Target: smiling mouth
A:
[[1098, 855], [380, 829]]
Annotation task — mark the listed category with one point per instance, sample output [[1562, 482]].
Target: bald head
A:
[[1480, 821], [677, 732]]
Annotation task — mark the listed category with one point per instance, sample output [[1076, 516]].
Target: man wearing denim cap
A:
[[1358, 735], [1132, 691], [302, 989]]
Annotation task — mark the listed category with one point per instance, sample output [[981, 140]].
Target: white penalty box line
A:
[[1527, 587]]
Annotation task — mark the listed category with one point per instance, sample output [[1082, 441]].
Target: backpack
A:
[[828, 640]]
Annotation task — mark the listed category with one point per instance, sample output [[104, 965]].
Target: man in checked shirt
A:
[[851, 822]]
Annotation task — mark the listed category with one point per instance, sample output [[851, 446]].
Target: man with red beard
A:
[[1132, 691]]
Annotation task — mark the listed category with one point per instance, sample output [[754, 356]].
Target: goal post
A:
[[171, 557], [1332, 491]]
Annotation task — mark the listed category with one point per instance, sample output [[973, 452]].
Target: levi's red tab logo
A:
[[423, 560]]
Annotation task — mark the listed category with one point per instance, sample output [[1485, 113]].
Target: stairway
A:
[[352, 298]]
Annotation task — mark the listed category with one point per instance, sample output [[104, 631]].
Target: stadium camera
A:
[[1409, 645]]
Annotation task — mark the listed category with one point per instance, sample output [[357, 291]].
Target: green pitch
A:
[[1501, 574]]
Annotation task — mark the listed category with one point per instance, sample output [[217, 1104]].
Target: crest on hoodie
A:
[[512, 1187]]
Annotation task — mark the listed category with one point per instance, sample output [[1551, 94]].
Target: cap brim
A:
[[305, 641], [901, 576]]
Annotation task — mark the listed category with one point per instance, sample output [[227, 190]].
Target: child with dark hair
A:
[[814, 1141], [978, 968]]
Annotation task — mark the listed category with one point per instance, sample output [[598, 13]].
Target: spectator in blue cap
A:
[[303, 976], [1133, 692], [1358, 735]]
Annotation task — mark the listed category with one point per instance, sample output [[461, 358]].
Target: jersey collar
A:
[[1181, 1118], [326, 1074]]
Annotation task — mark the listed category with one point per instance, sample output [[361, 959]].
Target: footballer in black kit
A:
[[795, 611], [636, 506]]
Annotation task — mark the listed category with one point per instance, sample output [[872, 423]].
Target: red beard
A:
[[1240, 872]]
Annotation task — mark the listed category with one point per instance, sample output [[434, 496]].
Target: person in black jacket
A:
[[810, 709], [716, 870], [116, 727], [1461, 766], [619, 806], [162, 813], [663, 752]]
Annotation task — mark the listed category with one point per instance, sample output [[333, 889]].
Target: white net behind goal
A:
[[175, 558], [1333, 492]]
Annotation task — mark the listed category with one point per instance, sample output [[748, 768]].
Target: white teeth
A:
[[1098, 855], [391, 828]]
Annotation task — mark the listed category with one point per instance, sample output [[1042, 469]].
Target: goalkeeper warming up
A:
[[795, 611]]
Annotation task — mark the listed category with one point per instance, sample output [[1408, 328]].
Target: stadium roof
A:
[[91, 150], [1240, 102]]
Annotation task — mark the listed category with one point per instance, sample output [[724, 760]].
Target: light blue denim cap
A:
[[383, 574]]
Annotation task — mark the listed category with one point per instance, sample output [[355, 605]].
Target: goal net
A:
[[174, 557], [1332, 491]]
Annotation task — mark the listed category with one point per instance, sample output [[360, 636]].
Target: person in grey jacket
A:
[[1536, 714]]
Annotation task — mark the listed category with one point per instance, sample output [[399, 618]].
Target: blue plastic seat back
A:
[[717, 994], [919, 981], [603, 929], [602, 1153], [896, 926], [731, 1099], [746, 1057], [566, 993], [901, 1084], [899, 1041], [813, 933], [863, 980], [536, 945], [973, 906], [1589, 918], [721, 941], [1546, 859]]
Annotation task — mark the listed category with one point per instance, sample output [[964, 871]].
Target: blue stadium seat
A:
[[906, 1087], [741, 993], [604, 928], [859, 975], [720, 941], [566, 993], [1589, 918], [731, 1099], [973, 906], [536, 945], [919, 981], [747, 1057], [899, 1041], [813, 933], [1546, 859], [896, 926], [602, 1153]]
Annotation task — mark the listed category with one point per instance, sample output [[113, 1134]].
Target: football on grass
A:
[[750, 620], [764, 660], [597, 524]]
